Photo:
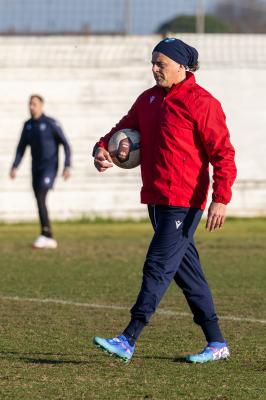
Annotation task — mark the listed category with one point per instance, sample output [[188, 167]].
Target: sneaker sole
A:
[[43, 248], [124, 359], [204, 362]]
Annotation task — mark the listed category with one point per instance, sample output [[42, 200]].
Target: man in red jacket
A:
[[182, 129]]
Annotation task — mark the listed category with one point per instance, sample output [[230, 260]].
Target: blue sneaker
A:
[[214, 351], [117, 346]]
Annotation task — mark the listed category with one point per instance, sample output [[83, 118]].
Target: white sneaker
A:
[[43, 242]]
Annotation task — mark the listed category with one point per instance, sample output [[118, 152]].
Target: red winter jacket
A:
[[182, 131]]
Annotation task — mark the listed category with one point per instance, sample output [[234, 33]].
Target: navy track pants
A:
[[41, 194], [172, 255]]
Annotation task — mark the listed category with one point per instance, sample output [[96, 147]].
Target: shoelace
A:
[[121, 342], [208, 348]]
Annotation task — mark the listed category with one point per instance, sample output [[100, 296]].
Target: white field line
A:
[[114, 307]]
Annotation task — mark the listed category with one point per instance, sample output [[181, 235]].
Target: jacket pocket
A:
[[178, 171]]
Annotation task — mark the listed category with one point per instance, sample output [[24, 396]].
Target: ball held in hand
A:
[[124, 148]]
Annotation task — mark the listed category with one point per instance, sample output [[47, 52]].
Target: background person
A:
[[44, 135]]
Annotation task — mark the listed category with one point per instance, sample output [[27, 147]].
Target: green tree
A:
[[187, 24]]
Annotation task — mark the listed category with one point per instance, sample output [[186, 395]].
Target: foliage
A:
[[187, 23]]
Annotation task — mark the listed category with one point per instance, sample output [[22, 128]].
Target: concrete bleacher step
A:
[[89, 83]]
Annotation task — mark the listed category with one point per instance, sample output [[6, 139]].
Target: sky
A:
[[94, 15], [97, 15]]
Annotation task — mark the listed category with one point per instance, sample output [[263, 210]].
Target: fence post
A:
[[200, 16], [127, 17]]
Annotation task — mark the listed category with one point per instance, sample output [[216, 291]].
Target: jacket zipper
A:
[[184, 159]]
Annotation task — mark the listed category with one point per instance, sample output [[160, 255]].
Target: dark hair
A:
[[194, 67], [37, 96]]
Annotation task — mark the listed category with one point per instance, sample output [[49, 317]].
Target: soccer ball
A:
[[124, 147]]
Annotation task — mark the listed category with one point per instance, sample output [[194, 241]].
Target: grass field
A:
[[45, 347]]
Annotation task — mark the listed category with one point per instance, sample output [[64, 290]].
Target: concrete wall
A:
[[89, 83]]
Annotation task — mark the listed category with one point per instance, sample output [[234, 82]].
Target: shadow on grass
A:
[[16, 353], [39, 358], [43, 358], [180, 359], [153, 358], [177, 359], [40, 361]]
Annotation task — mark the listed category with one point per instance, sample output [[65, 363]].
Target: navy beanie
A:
[[178, 51]]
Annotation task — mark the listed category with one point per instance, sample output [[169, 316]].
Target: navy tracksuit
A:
[[172, 255], [43, 135]]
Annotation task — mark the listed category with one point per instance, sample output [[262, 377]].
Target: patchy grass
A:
[[46, 350]]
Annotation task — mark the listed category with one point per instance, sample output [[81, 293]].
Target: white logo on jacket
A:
[[42, 126], [178, 223], [152, 98]]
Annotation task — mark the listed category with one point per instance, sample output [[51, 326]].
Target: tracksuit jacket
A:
[[43, 135], [181, 131]]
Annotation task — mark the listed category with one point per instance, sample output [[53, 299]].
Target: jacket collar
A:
[[189, 81], [38, 119]]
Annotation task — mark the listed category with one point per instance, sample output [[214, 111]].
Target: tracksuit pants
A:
[[172, 255], [41, 195]]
